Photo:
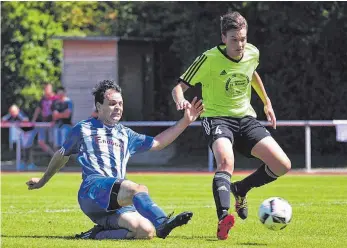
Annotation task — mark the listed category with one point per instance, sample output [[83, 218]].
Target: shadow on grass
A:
[[214, 239], [207, 238], [38, 237], [252, 244]]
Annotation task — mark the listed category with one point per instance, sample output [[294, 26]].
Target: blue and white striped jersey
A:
[[104, 150]]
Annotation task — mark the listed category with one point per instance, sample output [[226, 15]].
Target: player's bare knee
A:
[[132, 189], [226, 164], [145, 231], [287, 165], [141, 188]]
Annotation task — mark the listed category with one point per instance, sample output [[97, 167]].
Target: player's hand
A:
[[34, 183], [196, 108], [270, 115], [184, 104]]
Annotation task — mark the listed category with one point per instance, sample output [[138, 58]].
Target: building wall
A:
[[136, 79], [85, 64]]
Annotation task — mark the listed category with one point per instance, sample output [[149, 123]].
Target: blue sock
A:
[[148, 209]]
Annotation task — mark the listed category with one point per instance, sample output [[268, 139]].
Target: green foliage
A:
[[30, 54], [302, 46]]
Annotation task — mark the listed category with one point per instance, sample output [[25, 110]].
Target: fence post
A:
[[308, 147], [18, 151], [210, 160]]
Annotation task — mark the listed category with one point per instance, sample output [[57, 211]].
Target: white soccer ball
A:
[[275, 213]]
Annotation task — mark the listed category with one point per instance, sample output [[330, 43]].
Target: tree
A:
[[30, 54]]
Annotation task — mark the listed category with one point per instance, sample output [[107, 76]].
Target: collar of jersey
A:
[[226, 55], [101, 124]]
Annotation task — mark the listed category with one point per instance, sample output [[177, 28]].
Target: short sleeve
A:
[[72, 142], [196, 72], [138, 142], [6, 117], [22, 116], [256, 63]]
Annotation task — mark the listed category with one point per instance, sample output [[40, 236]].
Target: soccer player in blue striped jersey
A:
[[121, 208]]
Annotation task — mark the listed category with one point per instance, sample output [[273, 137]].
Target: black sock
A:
[[263, 175], [221, 192]]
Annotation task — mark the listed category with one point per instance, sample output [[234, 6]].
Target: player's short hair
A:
[[100, 89], [61, 88], [232, 20]]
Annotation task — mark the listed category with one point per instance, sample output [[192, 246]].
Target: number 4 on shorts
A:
[[218, 131]]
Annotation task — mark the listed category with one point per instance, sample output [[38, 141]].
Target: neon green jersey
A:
[[226, 83]]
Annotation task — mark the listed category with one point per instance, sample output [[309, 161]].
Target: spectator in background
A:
[[14, 115], [27, 135], [44, 109], [62, 115]]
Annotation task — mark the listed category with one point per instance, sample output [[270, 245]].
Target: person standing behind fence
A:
[[62, 113], [26, 134], [44, 109]]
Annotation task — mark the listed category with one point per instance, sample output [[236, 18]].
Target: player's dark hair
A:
[[61, 88], [100, 89], [232, 20]]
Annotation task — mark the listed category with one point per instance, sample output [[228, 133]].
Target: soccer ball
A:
[[275, 213]]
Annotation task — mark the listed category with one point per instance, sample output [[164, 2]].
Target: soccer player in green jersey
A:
[[227, 74]]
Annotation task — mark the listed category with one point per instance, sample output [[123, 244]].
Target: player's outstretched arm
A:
[[178, 96], [258, 86], [169, 135], [57, 162]]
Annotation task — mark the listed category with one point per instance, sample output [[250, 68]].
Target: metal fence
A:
[[291, 123]]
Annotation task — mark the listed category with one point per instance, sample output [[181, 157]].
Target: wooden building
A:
[[130, 62]]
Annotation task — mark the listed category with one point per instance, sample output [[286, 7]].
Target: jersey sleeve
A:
[[196, 72], [256, 62], [23, 116], [139, 142], [72, 142], [6, 117], [254, 52]]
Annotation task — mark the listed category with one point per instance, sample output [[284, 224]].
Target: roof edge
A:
[[105, 38]]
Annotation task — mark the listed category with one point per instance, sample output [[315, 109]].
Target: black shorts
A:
[[244, 133]]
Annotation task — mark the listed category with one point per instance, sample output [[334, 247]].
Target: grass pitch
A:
[[50, 217]]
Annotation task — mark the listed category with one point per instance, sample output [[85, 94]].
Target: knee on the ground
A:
[[144, 231]]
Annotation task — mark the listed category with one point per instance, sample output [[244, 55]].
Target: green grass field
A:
[[49, 217]]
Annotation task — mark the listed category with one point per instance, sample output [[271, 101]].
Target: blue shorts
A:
[[94, 199]]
